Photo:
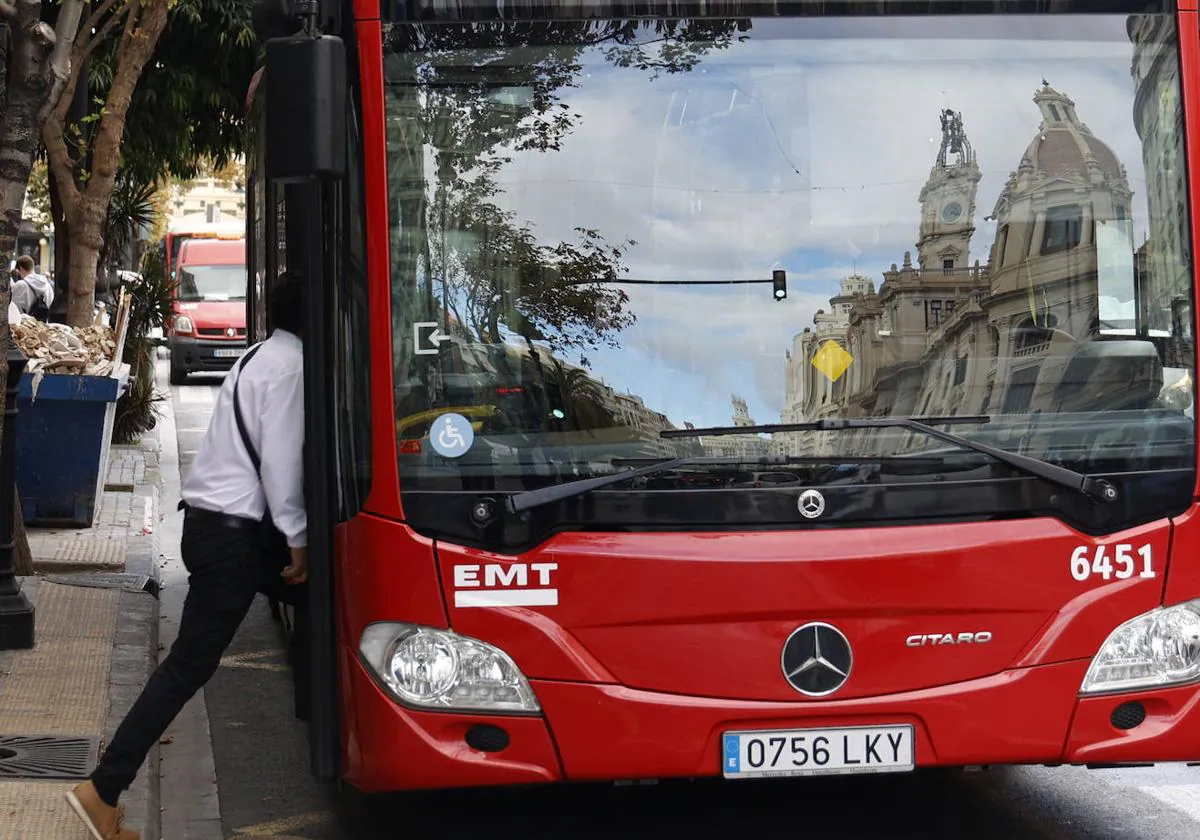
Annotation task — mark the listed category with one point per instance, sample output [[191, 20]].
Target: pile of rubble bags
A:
[[57, 348]]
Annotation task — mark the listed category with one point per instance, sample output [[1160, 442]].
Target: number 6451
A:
[[1087, 561]]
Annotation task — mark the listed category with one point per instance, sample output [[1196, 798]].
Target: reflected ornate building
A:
[[736, 446], [1165, 283], [947, 336]]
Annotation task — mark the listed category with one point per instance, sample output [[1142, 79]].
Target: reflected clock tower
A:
[[948, 200]]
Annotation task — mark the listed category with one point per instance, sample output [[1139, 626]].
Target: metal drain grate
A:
[[47, 757], [108, 580]]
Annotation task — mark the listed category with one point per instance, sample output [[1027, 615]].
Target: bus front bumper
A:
[[595, 732]]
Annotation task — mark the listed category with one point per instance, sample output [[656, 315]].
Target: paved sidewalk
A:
[[127, 516], [96, 644]]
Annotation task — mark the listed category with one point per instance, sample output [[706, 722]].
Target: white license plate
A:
[[813, 752], [228, 354]]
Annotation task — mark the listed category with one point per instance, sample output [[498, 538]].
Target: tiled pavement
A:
[[95, 647]]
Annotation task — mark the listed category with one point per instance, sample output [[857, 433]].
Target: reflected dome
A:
[[1064, 146]]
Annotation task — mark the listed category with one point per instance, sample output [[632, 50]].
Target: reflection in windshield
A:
[[603, 230], [212, 282]]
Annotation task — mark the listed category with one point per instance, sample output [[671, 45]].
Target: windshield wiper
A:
[[557, 492], [1090, 486]]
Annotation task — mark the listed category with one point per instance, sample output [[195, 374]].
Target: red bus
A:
[[739, 389]]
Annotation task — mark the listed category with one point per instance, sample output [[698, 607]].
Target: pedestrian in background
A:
[[243, 495], [31, 292]]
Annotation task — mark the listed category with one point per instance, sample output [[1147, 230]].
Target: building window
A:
[[1020, 390], [960, 370], [1034, 337], [1064, 229], [948, 266], [933, 314], [1001, 245]]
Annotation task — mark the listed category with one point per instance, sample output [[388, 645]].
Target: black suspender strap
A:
[[237, 412]]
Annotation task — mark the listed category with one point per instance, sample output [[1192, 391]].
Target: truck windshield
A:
[[212, 282], [603, 230]]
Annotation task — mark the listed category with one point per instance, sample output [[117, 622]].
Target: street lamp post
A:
[[16, 612]]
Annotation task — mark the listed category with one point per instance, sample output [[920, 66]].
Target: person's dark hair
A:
[[286, 300], [25, 261]]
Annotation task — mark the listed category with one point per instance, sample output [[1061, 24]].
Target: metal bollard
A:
[[16, 612]]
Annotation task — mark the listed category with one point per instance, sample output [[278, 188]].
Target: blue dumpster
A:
[[63, 437]]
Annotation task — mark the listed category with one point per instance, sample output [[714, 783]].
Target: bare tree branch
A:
[[100, 11], [66, 31], [69, 56], [130, 23], [104, 31], [144, 25], [55, 140]]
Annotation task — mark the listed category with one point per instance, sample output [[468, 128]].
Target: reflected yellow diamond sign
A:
[[832, 360]]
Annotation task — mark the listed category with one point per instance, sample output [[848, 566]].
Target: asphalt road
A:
[[265, 790]]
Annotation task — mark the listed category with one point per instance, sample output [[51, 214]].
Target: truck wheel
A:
[[178, 376]]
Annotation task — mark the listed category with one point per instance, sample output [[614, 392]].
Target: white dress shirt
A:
[[271, 395]]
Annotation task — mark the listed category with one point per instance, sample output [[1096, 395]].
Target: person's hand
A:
[[297, 571]]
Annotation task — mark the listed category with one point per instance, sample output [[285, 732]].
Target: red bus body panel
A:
[[707, 614], [660, 642]]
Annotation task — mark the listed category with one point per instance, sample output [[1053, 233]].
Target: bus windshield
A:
[[603, 230]]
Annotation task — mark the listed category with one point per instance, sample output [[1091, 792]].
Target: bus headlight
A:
[[441, 670], [1158, 648]]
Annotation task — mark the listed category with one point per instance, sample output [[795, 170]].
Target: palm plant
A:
[[152, 295], [130, 211], [582, 396]]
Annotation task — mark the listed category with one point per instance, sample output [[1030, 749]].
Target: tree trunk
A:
[[87, 240], [62, 250], [29, 83], [33, 79], [88, 206]]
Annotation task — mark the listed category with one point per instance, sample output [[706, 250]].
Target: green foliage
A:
[[131, 210], [153, 294], [138, 408], [189, 106]]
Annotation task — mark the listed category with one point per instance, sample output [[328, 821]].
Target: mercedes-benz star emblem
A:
[[811, 504], [817, 659]]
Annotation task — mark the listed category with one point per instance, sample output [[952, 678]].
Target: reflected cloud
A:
[[805, 152]]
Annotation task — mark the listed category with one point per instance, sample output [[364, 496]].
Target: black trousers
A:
[[223, 568]]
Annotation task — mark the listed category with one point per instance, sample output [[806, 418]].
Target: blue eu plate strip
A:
[[732, 758]]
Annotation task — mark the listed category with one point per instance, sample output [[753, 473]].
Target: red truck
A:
[[208, 330]]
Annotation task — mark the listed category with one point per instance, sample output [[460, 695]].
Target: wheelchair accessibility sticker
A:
[[451, 435]]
